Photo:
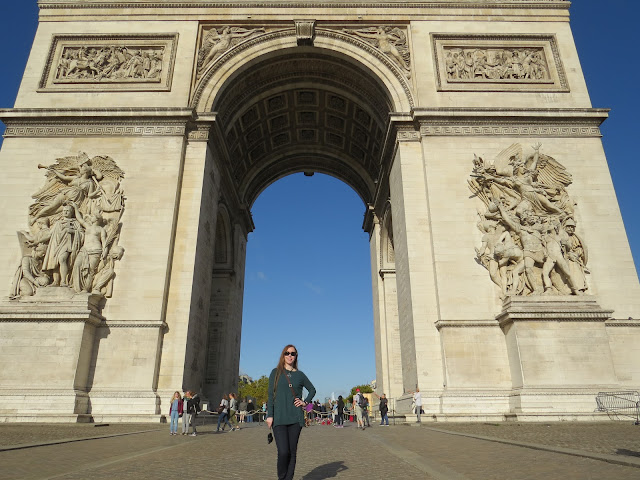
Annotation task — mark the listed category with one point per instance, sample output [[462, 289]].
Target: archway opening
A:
[[308, 282], [299, 110]]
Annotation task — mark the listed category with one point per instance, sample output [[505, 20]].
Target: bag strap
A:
[[292, 390]]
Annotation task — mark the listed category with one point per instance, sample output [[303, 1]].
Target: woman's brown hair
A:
[[280, 367]]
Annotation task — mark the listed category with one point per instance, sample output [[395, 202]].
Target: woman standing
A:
[[284, 412], [233, 408], [175, 410], [223, 413]]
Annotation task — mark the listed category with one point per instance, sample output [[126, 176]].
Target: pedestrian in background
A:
[[384, 409], [340, 412], [233, 408], [186, 418], [284, 408], [175, 410], [243, 410], [223, 413], [192, 410]]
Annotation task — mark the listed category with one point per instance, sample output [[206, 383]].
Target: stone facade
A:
[[202, 105]]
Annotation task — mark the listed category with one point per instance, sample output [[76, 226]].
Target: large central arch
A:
[[281, 108]]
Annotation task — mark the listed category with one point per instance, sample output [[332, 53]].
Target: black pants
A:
[[286, 437]]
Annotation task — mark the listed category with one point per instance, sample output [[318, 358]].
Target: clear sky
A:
[[308, 272]]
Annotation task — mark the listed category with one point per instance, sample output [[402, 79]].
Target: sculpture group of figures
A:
[[74, 228], [529, 244], [392, 41], [496, 64], [110, 63]]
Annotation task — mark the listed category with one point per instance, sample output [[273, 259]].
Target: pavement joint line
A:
[[439, 472], [117, 459], [545, 448], [70, 440]]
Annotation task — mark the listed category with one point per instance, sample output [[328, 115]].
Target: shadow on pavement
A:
[[328, 470], [627, 453]]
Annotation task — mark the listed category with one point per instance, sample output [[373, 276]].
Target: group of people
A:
[[187, 407], [285, 409], [232, 412]]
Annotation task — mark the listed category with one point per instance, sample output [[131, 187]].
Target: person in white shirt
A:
[[417, 400]]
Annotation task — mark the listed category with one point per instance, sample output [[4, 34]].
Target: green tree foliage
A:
[[257, 390], [363, 389]]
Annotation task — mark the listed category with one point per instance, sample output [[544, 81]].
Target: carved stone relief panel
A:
[[110, 62], [392, 41], [530, 245], [216, 40], [498, 63], [74, 228]]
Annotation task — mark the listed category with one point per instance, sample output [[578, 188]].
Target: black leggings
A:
[[286, 437]]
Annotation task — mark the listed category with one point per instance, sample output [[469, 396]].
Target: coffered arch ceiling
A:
[[305, 110]]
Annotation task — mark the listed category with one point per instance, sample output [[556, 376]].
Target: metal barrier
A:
[[626, 404]]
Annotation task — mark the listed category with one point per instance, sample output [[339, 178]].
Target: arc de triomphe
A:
[[143, 132]]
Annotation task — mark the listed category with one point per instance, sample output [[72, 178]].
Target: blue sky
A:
[[308, 274]]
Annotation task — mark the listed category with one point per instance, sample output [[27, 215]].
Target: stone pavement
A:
[[442, 451]]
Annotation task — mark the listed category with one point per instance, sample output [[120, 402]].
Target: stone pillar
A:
[[559, 354], [46, 353], [385, 313], [414, 259], [184, 345]]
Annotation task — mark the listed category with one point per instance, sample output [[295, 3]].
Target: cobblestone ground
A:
[[27, 433], [396, 452], [612, 438]]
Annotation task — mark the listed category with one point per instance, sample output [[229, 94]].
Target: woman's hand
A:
[[299, 403], [269, 421]]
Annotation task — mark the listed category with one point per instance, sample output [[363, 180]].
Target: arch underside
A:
[[303, 109]]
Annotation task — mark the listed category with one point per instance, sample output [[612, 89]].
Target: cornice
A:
[[297, 4], [35, 122], [440, 324]]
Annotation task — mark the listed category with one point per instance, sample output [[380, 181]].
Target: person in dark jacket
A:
[[284, 408], [193, 407], [340, 414]]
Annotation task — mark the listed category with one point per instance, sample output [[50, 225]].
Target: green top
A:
[[283, 411]]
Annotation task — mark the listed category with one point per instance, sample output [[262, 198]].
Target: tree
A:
[[257, 389], [363, 389]]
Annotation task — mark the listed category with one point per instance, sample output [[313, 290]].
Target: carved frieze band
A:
[[236, 4], [510, 129], [524, 63], [92, 130], [110, 62]]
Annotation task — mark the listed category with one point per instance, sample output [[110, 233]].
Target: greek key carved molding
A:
[[142, 62], [526, 63], [92, 130], [522, 130]]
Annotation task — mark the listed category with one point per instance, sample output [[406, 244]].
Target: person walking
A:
[[357, 399], [223, 413], [340, 412], [365, 411], [233, 408], [193, 407], [175, 410], [284, 408]]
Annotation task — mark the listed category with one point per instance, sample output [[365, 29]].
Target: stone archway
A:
[[280, 111]]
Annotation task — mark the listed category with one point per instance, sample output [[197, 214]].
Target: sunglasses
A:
[[293, 354]]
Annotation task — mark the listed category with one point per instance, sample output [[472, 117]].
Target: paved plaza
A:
[[432, 451]]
